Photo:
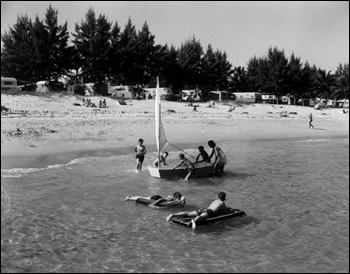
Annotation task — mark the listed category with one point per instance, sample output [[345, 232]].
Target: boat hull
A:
[[201, 170]]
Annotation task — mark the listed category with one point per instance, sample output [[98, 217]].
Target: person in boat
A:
[[176, 199], [202, 156], [162, 160], [220, 158], [216, 207], [188, 164], [140, 154]]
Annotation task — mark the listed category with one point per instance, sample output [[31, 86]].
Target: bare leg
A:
[[203, 216], [182, 214], [134, 198], [188, 176]]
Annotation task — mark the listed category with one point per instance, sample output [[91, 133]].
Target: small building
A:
[[269, 98], [125, 92], [220, 95], [247, 97], [151, 92], [8, 83], [191, 95], [342, 103]]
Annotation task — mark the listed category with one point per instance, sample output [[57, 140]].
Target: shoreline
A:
[[43, 159], [55, 130]]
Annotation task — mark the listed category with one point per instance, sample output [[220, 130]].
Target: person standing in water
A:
[[188, 164], [140, 154], [220, 158]]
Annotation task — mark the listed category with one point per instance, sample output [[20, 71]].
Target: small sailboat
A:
[[202, 169]]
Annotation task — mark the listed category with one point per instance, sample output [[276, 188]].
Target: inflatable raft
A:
[[232, 213], [163, 204]]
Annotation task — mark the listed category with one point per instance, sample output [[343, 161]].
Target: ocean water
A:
[[72, 218]]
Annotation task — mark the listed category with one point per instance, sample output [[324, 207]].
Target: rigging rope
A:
[[181, 150]]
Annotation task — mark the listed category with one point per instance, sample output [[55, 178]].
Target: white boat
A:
[[202, 169]]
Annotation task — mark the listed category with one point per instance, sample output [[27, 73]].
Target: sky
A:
[[316, 32]]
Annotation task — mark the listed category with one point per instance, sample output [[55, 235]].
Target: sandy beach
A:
[[54, 124]]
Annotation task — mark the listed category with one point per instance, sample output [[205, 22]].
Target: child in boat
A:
[[163, 157], [202, 156], [188, 164]]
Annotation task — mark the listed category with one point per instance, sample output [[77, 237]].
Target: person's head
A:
[[211, 144], [182, 156], [141, 141], [177, 195], [222, 196], [201, 148], [166, 154]]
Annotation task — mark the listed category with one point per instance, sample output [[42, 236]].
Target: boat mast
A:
[[158, 123]]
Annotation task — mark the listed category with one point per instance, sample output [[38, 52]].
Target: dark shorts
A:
[[156, 197], [140, 157], [209, 211]]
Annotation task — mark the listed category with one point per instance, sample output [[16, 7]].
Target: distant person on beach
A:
[[202, 156], [176, 197], [220, 158], [162, 160], [310, 120], [188, 164], [104, 103], [140, 154], [204, 213], [195, 108]]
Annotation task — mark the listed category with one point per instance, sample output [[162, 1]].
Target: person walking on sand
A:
[[310, 120], [220, 158], [140, 154]]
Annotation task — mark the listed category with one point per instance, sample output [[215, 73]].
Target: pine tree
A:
[[189, 57], [92, 42]]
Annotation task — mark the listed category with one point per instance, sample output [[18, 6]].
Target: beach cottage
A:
[[247, 97], [8, 83], [125, 92], [151, 92]]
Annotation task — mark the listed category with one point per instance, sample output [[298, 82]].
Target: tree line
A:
[[100, 52]]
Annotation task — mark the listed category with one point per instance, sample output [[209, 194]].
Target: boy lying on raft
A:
[[205, 212], [172, 200]]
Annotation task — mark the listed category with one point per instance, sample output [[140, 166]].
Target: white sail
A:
[[160, 134]]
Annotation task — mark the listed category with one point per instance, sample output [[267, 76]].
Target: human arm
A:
[[211, 155], [197, 158], [159, 201], [178, 165]]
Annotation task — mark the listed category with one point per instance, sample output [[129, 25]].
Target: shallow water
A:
[[72, 218]]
